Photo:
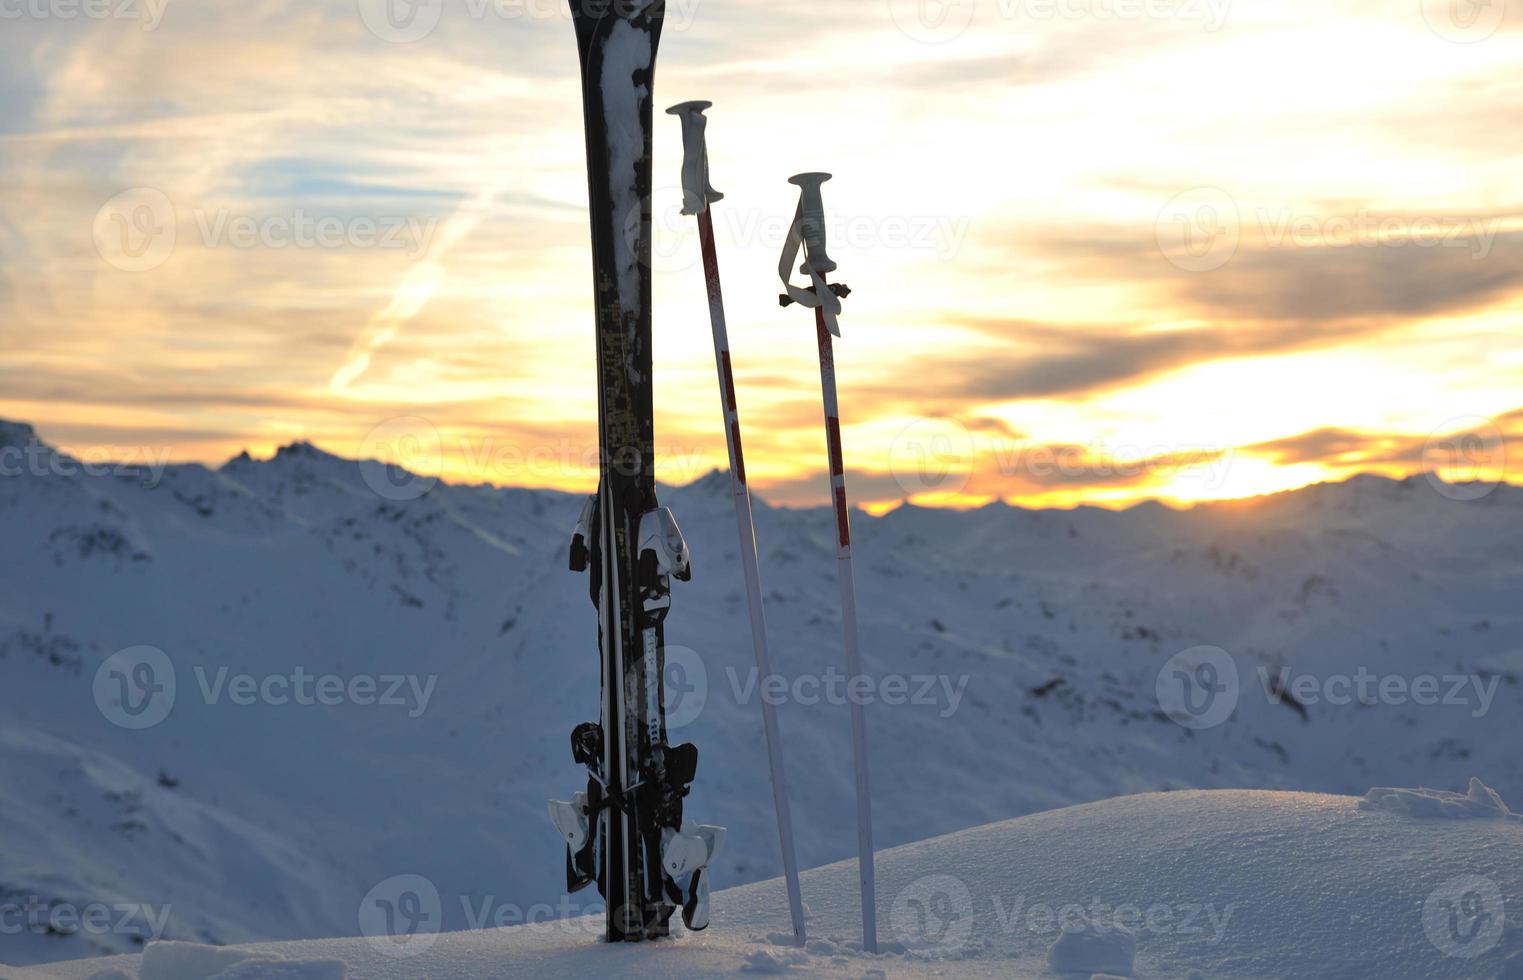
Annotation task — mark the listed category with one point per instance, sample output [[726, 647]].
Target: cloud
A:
[[1348, 449], [1265, 301], [1051, 360]]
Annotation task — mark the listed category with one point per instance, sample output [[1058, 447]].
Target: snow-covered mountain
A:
[[1030, 645]]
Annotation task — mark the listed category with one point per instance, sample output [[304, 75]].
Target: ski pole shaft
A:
[[847, 578], [746, 529]]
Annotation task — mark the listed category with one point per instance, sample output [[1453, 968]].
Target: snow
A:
[[1041, 635], [627, 54], [1094, 947], [1221, 884], [189, 961], [1478, 802]]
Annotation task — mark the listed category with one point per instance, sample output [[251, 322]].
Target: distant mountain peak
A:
[[302, 450], [16, 434], [715, 482]]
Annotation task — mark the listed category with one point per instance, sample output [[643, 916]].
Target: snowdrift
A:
[[1219, 884]]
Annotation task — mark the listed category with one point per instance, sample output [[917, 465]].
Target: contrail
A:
[[414, 291]]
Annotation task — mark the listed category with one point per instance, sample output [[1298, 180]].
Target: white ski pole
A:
[[697, 196], [808, 234]]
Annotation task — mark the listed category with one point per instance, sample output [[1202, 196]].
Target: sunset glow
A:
[[1246, 249]]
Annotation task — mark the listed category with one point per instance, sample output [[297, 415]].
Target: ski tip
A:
[[686, 108]]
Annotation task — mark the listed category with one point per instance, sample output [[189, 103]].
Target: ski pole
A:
[[808, 234], [697, 196]]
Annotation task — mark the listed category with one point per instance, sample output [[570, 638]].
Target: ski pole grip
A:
[[812, 210], [697, 194]]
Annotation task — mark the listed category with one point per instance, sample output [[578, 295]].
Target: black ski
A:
[[631, 547]]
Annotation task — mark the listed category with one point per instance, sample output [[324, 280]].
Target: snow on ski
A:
[[808, 234], [698, 195]]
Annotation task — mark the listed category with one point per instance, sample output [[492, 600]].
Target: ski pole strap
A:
[[821, 296], [697, 192]]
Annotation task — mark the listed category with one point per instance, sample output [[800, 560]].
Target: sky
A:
[[1101, 251]]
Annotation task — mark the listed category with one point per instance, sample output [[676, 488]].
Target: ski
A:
[[624, 830], [808, 234], [698, 195]]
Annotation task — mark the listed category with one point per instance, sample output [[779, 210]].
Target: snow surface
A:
[[1223, 884], [1043, 634]]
